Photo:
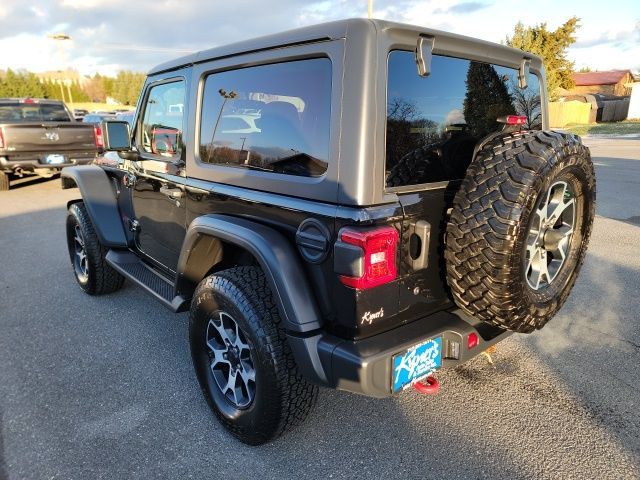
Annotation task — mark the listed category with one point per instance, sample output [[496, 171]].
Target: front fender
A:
[[274, 254], [100, 200]]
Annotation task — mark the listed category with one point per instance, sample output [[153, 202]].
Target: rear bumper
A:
[[365, 366], [33, 161]]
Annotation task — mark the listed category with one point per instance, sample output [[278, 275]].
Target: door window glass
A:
[[273, 118], [162, 124]]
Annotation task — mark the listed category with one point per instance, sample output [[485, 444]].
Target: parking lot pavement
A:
[[103, 387]]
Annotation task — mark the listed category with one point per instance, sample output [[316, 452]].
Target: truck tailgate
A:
[[48, 137]]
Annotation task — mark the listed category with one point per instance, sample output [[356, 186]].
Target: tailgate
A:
[[48, 137]]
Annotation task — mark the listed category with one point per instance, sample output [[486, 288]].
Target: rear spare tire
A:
[[519, 228]]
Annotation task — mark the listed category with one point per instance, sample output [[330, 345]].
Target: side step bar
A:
[[153, 282]]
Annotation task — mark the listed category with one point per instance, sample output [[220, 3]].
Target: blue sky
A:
[[108, 35]]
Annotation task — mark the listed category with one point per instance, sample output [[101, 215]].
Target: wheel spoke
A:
[[247, 376], [222, 332], [543, 271], [560, 208], [231, 385]]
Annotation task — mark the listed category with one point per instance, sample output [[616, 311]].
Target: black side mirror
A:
[[117, 135]]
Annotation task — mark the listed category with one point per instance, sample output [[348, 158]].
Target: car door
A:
[[158, 194]]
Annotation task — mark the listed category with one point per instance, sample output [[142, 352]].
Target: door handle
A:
[[173, 193]]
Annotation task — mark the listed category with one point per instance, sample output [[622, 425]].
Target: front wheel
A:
[[242, 359], [94, 275]]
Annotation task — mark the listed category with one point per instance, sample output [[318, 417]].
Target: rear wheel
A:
[[4, 181], [94, 275], [519, 228], [242, 359]]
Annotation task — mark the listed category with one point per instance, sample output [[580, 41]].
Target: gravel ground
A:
[[103, 388]]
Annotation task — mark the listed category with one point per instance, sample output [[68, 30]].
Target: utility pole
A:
[[370, 9], [61, 39]]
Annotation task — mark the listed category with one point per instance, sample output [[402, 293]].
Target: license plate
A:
[[416, 363], [54, 159]]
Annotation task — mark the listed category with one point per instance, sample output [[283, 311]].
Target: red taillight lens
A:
[[97, 133], [379, 254], [513, 120], [472, 340], [1, 138]]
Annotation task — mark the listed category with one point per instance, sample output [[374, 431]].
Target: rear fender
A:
[[203, 248]]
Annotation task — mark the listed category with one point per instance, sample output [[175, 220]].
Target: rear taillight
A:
[[1, 138], [97, 134], [378, 256]]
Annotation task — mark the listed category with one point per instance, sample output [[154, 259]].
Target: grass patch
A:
[[614, 128]]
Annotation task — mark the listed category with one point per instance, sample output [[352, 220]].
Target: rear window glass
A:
[[434, 123], [32, 112], [273, 118]]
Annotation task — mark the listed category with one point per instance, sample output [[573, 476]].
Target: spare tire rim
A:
[[549, 238], [230, 360], [80, 261]]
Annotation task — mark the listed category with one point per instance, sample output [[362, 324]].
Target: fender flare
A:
[[100, 200], [274, 254]]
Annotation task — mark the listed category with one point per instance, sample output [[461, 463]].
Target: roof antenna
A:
[[370, 9]]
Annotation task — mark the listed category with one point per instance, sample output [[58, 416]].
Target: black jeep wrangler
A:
[[352, 205]]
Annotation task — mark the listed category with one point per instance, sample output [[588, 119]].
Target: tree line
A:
[[124, 88]]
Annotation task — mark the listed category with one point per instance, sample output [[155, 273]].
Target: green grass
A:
[[614, 128]]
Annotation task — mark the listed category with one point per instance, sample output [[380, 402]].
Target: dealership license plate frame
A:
[[419, 361]]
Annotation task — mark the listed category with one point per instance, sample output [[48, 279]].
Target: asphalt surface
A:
[[103, 388]]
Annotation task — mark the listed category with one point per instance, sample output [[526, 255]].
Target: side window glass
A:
[[273, 118], [162, 123], [434, 123]]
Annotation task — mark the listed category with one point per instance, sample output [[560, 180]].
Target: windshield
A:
[[33, 112]]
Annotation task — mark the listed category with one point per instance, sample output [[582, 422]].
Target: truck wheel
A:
[[242, 359], [4, 182], [519, 228], [94, 275]]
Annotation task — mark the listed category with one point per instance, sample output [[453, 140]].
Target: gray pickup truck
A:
[[39, 137]]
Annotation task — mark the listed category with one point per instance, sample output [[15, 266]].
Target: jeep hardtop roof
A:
[[333, 31]]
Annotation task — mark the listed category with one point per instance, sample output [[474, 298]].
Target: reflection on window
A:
[[271, 117], [162, 122], [434, 123]]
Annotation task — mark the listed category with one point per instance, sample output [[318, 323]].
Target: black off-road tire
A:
[[100, 278], [492, 214], [4, 182], [283, 397]]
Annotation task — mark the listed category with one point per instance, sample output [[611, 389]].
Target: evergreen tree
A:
[[552, 47], [487, 99]]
